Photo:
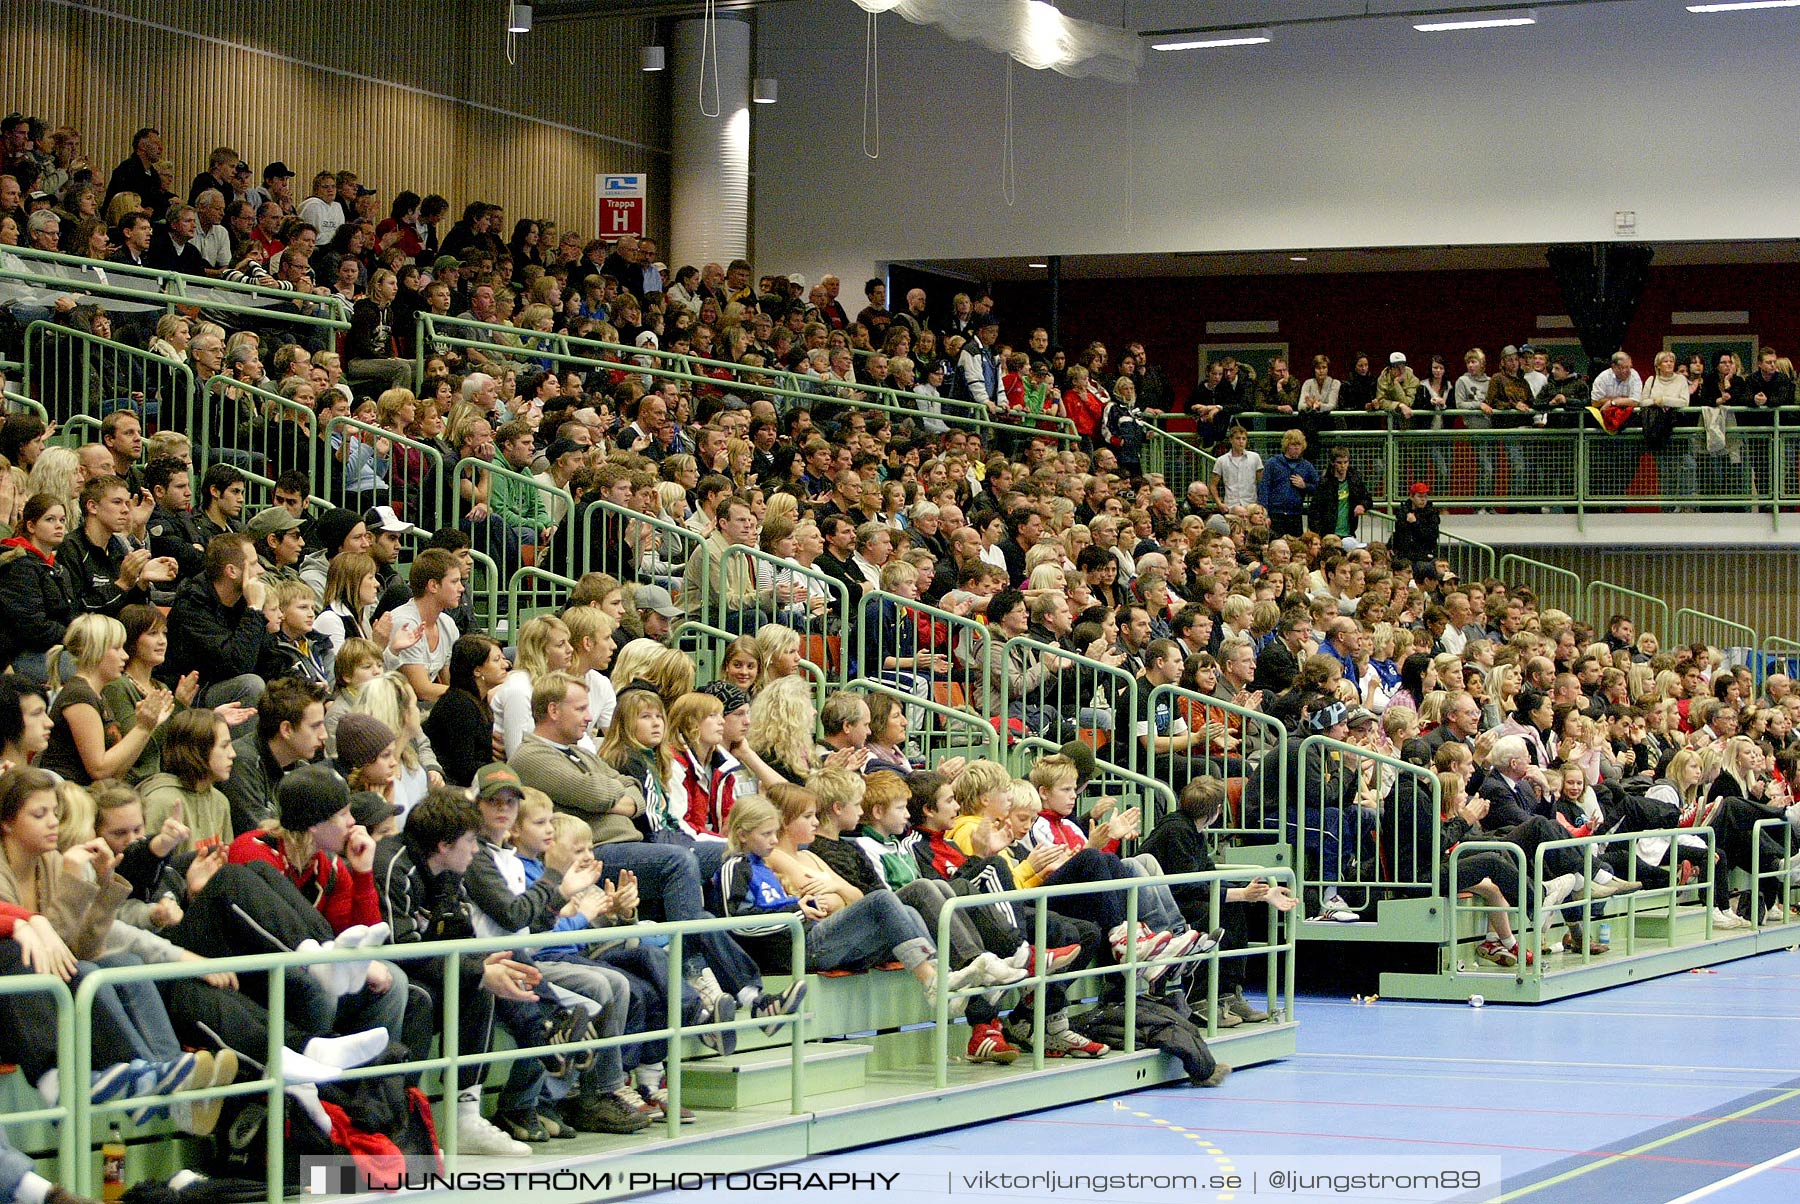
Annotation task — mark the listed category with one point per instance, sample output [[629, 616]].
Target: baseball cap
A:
[[278, 170], [559, 448], [1421, 488], [1399, 357], [1359, 716], [445, 261], [656, 598], [270, 520], [383, 518], [370, 810], [495, 779], [731, 697], [1507, 350]]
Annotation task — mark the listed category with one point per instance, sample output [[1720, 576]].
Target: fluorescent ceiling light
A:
[[1296, 259], [1037, 265], [518, 18], [1205, 40], [1488, 19], [1737, 5]]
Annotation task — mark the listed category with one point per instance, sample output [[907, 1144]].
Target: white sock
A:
[[649, 1076], [345, 1052], [747, 997], [32, 1189], [296, 1067], [50, 1087]]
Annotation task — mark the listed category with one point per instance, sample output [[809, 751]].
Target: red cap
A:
[[1421, 488]]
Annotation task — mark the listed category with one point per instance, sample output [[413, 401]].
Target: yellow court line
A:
[[1645, 1148]]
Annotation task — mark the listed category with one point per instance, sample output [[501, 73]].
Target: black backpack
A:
[[1159, 1026]]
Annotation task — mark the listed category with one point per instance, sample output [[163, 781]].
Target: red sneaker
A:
[[1060, 957], [988, 1044]]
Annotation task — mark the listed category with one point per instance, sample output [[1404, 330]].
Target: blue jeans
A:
[[611, 995], [14, 1166], [870, 931], [646, 968], [136, 1010]]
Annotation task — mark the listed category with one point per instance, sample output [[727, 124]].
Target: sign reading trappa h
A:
[[618, 206]]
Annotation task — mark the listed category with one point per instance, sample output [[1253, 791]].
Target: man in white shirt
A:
[[1533, 375], [1237, 473], [423, 634], [212, 239], [1619, 384]]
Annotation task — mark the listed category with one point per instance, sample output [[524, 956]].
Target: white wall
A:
[[1343, 135]]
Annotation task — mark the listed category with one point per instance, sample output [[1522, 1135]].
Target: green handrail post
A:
[[1601, 592], [1315, 753], [271, 412], [832, 608], [1450, 963], [984, 744], [1002, 679], [529, 572], [1151, 790], [1696, 625], [967, 644], [1270, 740], [563, 537], [1545, 580], [342, 428]]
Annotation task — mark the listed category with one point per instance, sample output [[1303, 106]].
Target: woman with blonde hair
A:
[[82, 748], [591, 635], [783, 720], [58, 473], [544, 647], [779, 649], [391, 699], [352, 589]]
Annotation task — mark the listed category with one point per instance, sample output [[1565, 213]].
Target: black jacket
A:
[[251, 787], [39, 600], [535, 909], [1276, 668], [95, 572], [1322, 507], [173, 533], [1416, 535], [421, 906], [461, 735], [207, 637]]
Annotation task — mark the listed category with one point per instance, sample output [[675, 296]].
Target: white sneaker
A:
[[1775, 915], [476, 1134], [1560, 888], [958, 1003], [997, 971], [1724, 917], [1335, 902]]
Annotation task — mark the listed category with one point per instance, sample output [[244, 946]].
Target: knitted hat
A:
[[335, 527], [360, 739], [1082, 754], [309, 795]]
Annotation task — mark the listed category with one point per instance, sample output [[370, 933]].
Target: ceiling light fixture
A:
[[518, 17], [1213, 39], [765, 91], [1037, 265], [1296, 259], [650, 58], [1478, 19]]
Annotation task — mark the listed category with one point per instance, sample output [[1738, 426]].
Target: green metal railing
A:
[[1277, 951], [549, 593], [1060, 695], [1156, 799], [62, 1113], [156, 288], [1361, 853], [560, 549], [1605, 599], [800, 398], [961, 729], [965, 644], [1258, 739], [78, 1171], [792, 595], [72, 372], [261, 433], [416, 500], [1556, 588], [1778, 875], [1696, 626]]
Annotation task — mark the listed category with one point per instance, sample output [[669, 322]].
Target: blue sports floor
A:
[[1679, 1089]]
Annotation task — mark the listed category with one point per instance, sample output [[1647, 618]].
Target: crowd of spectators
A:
[[211, 700]]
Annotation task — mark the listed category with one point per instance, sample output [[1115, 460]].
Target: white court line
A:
[[1672, 1015], [1700, 1193], [1735, 1086], [1556, 1062]]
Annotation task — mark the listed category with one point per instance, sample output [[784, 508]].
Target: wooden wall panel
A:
[[413, 95]]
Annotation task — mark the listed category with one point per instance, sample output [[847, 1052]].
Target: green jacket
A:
[[517, 501]]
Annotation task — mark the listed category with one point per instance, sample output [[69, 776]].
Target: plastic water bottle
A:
[[1476, 1001], [112, 1161], [1605, 934]]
